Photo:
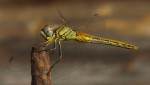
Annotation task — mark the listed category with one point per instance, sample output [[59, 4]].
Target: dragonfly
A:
[[67, 31]]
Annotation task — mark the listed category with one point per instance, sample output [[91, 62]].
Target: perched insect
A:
[[68, 32]]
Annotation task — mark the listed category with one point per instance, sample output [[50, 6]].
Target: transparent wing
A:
[[95, 25], [74, 53], [17, 43], [65, 20]]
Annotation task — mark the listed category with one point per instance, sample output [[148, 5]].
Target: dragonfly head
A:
[[47, 31]]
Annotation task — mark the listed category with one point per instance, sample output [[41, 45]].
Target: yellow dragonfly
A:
[[66, 32]]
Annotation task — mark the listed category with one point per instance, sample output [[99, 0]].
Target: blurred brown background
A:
[[83, 64]]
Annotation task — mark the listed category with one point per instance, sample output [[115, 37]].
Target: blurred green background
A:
[[83, 64]]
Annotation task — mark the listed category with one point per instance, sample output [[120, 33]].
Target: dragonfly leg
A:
[[48, 42], [60, 55], [54, 47], [43, 43]]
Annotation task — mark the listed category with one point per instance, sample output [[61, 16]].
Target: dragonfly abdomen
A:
[[93, 39]]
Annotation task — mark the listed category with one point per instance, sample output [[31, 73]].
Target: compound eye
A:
[[49, 33], [47, 30], [47, 27]]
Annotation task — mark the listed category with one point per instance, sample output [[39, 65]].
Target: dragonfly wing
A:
[[65, 67], [71, 62], [92, 24], [15, 52], [10, 47], [20, 62], [83, 21], [96, 18], [65, 20]]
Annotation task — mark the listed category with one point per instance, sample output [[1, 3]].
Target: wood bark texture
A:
[[40, 66]]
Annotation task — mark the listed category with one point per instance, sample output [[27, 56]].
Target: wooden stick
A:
[[40, 66]]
